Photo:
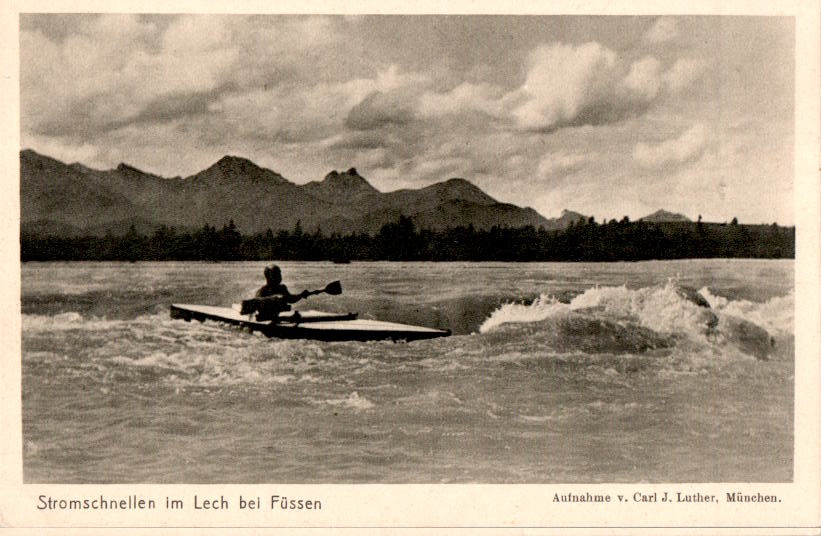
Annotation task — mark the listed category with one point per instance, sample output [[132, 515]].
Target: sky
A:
[[609, 116]]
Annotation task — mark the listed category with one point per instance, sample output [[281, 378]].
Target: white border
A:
[[439, 508]]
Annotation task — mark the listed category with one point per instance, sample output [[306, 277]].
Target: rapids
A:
[[555, 373]]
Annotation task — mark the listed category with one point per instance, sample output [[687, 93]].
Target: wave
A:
[[618, 319], [661, 309], [608, 331], [776, 315]]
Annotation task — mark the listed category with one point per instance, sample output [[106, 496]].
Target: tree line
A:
[[585, 240]]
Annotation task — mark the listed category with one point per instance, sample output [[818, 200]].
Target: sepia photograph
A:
[[475, 182], [497, 249]]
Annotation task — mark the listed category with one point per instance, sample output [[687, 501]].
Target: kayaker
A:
[[273, 298], [274, 287]]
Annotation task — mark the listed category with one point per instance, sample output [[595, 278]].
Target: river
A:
[[555, 373]]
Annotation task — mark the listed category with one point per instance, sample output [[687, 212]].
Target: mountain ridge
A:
[[662, 215], [336, 183], [78, 199]]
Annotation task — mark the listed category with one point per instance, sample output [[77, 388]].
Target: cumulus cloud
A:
[[379, 109], [565, 82], [115, 70], [118, 68], [663, 30], [688, 146], [589, 84], [644, 78], [568, 85], [316, 112], [377, 158]]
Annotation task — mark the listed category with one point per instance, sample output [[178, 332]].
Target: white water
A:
[[114, 390], [745, 326]]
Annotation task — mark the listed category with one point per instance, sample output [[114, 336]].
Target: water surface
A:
[[555, 373]]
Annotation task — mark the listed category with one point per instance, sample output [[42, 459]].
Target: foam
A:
[[660, 309], [663, 310], [543, 307], [776, 315], [352, 401]]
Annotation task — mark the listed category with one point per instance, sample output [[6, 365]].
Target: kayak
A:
[[308, 324]]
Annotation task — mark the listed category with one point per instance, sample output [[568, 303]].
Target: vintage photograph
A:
[[407, 249]]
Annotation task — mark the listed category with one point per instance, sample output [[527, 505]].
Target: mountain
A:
[[442, 192], [345, 187], [662, 215], [254, 198], [451, 203], [56, 196], [233, 169], [96, 201], [563, 221], [72, 199]]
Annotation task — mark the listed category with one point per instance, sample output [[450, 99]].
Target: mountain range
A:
[[61, 199], [72, 199]]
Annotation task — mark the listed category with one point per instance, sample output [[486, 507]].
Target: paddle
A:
[[258, 304], [334, 288]]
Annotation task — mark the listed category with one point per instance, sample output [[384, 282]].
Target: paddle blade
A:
[[334, 288]]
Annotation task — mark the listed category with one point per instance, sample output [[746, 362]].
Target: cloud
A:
[[412, 100], [466, 97], [113, 69], [567, 85], [644, 78], [281, 114], [70, 84], [588, 84], [195, 72], [565, 82], [357, 140], [441, 168], [683, 73], [555, 163], [378, 158], [85, 153], [688, 146], [173, 107], [387, 99], [663, 30], [380, 109]]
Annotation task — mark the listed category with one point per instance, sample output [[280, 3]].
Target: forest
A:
[[402, 241]]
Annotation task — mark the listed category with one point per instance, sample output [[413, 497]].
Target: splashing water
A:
[[665, 311], [775, 315], [661, 309], [608, 357], [542, 308]]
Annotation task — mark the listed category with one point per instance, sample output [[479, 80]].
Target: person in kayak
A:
[[272, 298], [274, 287]]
